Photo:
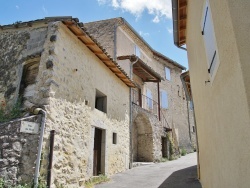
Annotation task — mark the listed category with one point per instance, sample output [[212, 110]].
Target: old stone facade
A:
[[50, 67], [126, 46], [17, 151]]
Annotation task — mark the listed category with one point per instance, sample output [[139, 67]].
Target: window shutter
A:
[[209, 39], [164, 99], [167, 72], [149, 99], [137, 51]]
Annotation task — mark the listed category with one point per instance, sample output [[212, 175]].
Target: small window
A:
[[149, 99], [209, 40], [164, 99], [137, 51], [101, 101], [30, 71], [114, 138], [193, 129], [167, 73]]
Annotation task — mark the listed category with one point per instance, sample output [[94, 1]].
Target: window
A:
[[209, 40], [30, 71], [137, 51], [167, 73], [149, 99], [114, 138], [164, 99], [101, 101]]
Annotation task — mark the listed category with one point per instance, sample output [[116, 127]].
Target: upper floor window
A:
[[137, 51], [101, 101], [167, 73], [164, 99], [209, 40], [149, 99]]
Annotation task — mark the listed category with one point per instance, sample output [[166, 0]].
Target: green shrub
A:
[[183, 152], [13, 113]]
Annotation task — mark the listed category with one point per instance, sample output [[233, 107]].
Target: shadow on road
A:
[[185, 178]]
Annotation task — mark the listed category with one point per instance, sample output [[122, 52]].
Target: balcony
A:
[[151, 106]]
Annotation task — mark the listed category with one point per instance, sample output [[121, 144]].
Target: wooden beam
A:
[[183, 5], [90, 44], [95, 52]]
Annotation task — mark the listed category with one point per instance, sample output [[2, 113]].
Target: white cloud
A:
[[143, 34], [170, 30], [45, 10], [17, 7], [156, 19], [158, 8]]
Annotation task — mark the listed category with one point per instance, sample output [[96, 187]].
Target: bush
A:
[[183, 152], [13, 113]]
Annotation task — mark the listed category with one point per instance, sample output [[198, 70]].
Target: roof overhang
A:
[[80, 32], [179, 11], [185, 78], [141, 69]]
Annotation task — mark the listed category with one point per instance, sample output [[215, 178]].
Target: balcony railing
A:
[[150, 105]]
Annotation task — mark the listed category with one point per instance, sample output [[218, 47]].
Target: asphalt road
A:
[[179, 173]]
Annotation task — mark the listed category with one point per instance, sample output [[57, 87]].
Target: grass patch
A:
[[96, 180]]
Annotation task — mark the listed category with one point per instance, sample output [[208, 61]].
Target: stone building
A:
[[54, 64], [158, 101]]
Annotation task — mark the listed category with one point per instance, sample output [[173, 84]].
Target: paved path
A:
[[179, 173]]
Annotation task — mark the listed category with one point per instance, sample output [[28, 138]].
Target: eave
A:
[[185, 78], [179, 11], [141, 69], [95, 47]]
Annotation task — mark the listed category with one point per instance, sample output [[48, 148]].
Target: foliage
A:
[[13, 113], [183, 152], [96, 180]]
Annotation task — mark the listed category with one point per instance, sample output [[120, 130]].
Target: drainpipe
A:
[[131, 118], [51, 148], [43, 112]]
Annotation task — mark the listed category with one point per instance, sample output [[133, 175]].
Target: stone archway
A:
[[142, 139]]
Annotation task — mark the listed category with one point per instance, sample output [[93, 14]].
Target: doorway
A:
[[99, 152]]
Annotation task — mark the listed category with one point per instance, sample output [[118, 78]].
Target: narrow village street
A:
[[179, 173]]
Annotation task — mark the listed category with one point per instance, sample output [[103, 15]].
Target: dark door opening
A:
[[164, 147], [97, 152]]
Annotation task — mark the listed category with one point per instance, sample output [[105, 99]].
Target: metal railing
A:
[[150, 105]]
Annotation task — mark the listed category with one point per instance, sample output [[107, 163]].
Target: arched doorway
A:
[[142, 139]]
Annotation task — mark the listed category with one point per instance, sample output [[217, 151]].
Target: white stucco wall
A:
[[221, 107]]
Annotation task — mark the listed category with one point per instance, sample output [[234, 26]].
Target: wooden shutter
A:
[[209, 39]]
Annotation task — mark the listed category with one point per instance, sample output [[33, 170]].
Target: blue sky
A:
[[150, 18]]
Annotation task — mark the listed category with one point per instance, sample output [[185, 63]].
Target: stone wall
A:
[[147, 135], [16, 47], [18, 152], [74, 123]]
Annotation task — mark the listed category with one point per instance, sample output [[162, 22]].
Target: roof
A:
[[169, 60], [179, 11], [122, 22], [141, 69], [78, 30]]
